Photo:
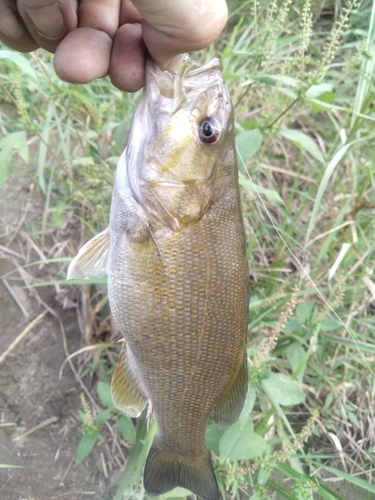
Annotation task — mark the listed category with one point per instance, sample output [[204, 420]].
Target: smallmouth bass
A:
[[175, 255]]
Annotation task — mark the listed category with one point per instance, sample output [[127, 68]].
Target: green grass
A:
[[304, 102]]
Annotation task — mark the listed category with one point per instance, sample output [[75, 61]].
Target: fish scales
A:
[[175, 255], [169, 326]]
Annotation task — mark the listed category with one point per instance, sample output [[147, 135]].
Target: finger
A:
[[171, 28], [84, 54], [48, 21], [13, 31], [101, 15], [127, 66], [129, 14]]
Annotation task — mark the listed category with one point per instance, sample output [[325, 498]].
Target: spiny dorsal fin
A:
[[127, 393], [91, 261]]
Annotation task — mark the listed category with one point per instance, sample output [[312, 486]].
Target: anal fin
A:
[[228, 408], [127, 393]]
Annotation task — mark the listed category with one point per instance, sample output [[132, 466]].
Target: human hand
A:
[[94, 38]]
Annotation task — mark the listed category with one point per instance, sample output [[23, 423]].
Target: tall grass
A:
[[302, 80]]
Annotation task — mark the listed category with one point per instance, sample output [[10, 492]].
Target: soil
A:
[[39, 425]]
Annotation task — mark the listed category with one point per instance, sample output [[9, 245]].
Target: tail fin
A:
[[165, 471]]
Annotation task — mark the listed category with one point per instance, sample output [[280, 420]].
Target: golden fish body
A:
[[177, 272]]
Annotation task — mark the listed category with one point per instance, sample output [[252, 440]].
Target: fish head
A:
[[181, 133]]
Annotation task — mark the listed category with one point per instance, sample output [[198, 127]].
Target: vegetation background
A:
[[302, 79]]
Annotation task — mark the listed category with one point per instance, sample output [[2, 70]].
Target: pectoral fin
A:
[[91, 260], [127, 393], [228, 408]]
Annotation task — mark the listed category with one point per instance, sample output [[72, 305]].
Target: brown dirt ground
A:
[[31, 393]]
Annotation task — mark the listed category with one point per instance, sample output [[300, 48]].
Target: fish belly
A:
[[180, 299]]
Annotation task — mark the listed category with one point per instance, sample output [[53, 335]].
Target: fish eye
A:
[[208, 129]]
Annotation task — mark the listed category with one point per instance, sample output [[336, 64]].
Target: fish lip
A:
[[194, 70], [190, 76], [213, 64]]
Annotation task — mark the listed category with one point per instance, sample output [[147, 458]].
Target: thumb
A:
[[172, 28]]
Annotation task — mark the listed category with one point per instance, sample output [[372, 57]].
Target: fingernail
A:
[[10, 26], [47, 20]]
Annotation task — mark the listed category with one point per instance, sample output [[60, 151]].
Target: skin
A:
[[95, 38]]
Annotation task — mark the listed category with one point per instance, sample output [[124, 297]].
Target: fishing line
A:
[[321, 295]]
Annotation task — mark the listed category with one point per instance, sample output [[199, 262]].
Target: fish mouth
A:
[[197, 69], [181, 86], [191, 69], [187, 65]]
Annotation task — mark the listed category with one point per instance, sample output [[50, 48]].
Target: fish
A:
[[175, 256]]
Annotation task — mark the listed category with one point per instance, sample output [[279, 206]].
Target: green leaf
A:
[[213, 436], [19, 61], [272, 195], [102, 416], [292, 325], [14, 141], [257, 496], [247, 143], [328, 401], [235, 440], [18, 142], [304, 310], [239, 441], [277, 79], [104, 393], [7, 466], [329, 325], [361, 483], [263, 476], [324, 103], [317, 90], [353, 418], [287, 92], [296, 355], [176, 493], [85, 445], [248, 404], [127, 428], [283, 389], [303, 141], [81, 415], [249, 124]]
